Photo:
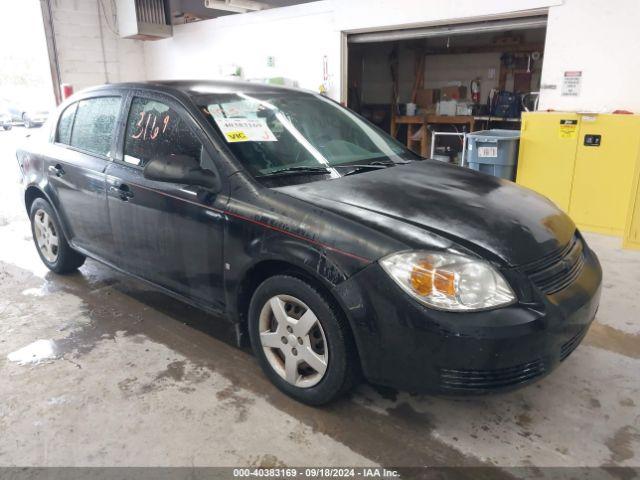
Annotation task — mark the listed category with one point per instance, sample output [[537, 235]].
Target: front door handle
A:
[[123, 191], [56, 170]]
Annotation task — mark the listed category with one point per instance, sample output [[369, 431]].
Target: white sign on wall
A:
[[571, 84]]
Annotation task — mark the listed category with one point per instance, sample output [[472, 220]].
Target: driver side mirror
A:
[[181, 169]]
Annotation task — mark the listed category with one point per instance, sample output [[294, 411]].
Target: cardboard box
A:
[[454, 93], [447, 107], [426, 98]]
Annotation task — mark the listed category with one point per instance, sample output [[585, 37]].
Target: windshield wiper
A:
[[376, 165], [296, 170], [301, 169]]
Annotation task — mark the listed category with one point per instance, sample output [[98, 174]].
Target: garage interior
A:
[[100, 370], [453, 76]]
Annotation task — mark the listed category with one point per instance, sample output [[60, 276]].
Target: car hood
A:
[[477, 211]]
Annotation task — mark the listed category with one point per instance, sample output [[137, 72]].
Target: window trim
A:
[[73, 105], [114, 94]]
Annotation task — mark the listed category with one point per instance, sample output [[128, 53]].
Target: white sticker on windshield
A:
[[245, 130]]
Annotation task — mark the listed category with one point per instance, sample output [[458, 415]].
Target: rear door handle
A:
[[123, 191], [56, 170]]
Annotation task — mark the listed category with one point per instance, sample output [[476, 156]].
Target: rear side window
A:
[[154, 129], [95, 123], [63, 133]]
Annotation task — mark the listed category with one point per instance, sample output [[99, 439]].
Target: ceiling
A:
[[183, 11]]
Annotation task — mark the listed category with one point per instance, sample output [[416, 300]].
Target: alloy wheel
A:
[[293, 340], [46, 235]]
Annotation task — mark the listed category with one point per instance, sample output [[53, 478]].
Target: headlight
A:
[[448, 281]]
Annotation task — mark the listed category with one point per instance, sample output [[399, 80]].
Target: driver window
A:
[[154, 129]]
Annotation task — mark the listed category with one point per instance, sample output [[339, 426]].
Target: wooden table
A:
[[414, 123], [420, 123]]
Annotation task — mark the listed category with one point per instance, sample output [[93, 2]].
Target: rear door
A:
[[167, 233], [75, 164]]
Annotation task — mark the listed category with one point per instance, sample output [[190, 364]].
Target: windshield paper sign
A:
[[245, 130]]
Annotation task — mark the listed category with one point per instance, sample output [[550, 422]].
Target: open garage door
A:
[[452, 79], [474, 28]]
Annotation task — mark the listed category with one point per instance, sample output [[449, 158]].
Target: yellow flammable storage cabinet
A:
[[585, 163]]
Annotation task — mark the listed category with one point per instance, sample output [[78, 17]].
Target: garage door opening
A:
[[449, 80], [26, 92]]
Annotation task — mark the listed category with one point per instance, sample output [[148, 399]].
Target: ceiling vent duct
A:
[[144, 19]]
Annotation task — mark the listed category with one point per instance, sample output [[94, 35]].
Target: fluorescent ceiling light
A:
[[237, 6]]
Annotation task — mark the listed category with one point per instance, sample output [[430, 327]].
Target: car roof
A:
[[198, 87]]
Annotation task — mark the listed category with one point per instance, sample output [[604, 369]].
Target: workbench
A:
[[415, 123]]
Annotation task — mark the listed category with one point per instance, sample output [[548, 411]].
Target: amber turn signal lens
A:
[[445, 282], [422, 278], [427, 280]]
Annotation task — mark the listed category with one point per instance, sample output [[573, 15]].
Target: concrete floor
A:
[[99, 370]]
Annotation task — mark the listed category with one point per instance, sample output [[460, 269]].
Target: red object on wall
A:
[[475, 90], [67, 90]]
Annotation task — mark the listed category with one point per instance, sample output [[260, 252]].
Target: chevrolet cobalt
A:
[[337, 251]]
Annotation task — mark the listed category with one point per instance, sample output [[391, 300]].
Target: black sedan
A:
[[336, 249]]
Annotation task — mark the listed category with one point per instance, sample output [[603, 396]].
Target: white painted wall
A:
[[296, 37], [601, 39], [370, 15], [82, 63]]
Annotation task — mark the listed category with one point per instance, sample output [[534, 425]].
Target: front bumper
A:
[[405, 345]]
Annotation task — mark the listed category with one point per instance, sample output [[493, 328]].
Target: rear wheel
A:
[[301, 340], [52, 246]]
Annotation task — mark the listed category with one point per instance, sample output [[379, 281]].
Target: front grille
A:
[[490, 379], [558, 270], [571, 344]]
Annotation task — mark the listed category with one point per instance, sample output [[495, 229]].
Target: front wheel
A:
[[52, 246], [7, 127], [27, 122], [301, 341]]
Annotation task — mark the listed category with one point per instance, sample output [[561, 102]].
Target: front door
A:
[[167, 233], [75, 164]]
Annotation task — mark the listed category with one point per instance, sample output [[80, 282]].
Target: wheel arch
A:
[[266, 268], [31, 193]]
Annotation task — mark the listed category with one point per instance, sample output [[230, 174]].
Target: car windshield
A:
[[272, 133]]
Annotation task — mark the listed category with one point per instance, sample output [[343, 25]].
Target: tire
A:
[[49, 239], [27, 122], [275, 343], [7, 127]]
